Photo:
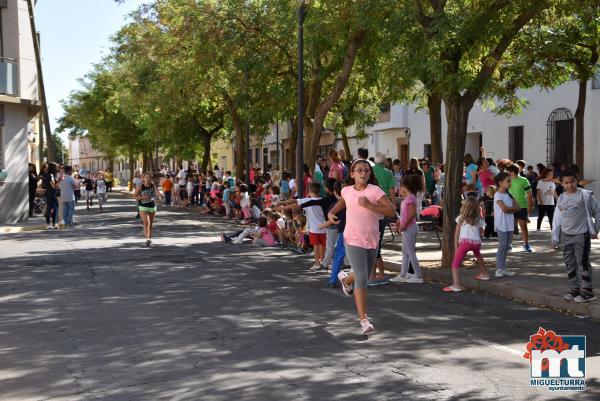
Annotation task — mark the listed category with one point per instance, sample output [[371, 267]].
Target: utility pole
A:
[[300, 143], [38, 62]]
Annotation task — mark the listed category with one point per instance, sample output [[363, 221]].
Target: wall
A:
[[14, 196], [494, 128]]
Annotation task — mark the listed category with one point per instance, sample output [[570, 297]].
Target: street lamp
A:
[[300, 139]]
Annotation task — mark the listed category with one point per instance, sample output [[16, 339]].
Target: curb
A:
[[21, 229], [510, 290]]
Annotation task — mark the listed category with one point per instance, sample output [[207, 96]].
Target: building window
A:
[[256, 155], [265, 158], [384, 113], [515, 143], [427, 151], [559, 140], [596, 81]]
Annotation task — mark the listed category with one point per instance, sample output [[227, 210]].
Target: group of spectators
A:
[[57, 189]]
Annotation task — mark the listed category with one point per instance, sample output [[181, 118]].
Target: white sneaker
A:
[[504, 273], [49, 227], [366, 327], [414, 279], [316, 267], [55, 227], [236, 241], [398, 279]]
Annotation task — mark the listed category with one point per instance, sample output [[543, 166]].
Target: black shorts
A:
[[522, 214]]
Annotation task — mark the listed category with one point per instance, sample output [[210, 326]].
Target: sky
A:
[[74, 35]]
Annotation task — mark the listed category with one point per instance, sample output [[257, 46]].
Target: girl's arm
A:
[[539, 196], [383, 205], [411, 213], [340, 204], [507, 209]]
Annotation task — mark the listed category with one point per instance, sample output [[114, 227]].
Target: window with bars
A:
[[515, 143]]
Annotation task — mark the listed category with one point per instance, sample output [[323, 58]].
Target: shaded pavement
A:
[[89, 314]]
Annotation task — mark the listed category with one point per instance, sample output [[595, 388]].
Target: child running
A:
[[147, 194], [365, 205], [576, 223], [407, 225], [467, 237], [504, 222]]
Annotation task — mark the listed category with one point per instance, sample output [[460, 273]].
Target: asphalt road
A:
[[90, 314]]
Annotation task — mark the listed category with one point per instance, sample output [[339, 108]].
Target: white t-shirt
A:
[[470, 233], [292, 184], [314, 216], [245, 201], [504, 222], [100, 186], [181, 175], [546, 189]]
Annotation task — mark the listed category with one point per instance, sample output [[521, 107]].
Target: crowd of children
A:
[[338, 220]]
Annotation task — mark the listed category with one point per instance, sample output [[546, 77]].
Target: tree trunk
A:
[[206, 139], [131, 164], [240, 152], [346, 143], [434, 104], [579, 126], [312, 145], [457, 116], [145, 162]]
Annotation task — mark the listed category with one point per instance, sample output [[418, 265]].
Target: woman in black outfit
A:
[[33, 180], [50, 184]]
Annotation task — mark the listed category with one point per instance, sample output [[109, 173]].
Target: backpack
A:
[[344, 171]]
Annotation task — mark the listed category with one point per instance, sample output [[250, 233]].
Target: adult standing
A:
[[486, 175], [108, 179], [50, 184], [428, 171], [67, 196], [344, 158], [33, 180], [147, 195], [471, 171], [384, 180], [336, 166]]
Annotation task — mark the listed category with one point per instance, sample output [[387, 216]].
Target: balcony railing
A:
[[9, 77]]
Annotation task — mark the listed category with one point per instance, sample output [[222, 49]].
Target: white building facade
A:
[[19, 108], [543, 133]]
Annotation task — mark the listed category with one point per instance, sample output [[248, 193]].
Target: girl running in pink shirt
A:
[[365, 205]]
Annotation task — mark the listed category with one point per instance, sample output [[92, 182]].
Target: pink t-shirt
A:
[[362, 224], [409, 200], [487, 178], [267, 236], [336, 171]]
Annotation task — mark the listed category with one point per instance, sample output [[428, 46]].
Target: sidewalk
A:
[[541, 278]]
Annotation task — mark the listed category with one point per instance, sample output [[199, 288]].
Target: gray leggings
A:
[[504, 239], [409, 251], [361, 260]]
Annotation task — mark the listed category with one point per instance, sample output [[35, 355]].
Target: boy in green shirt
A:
[[520, 189]]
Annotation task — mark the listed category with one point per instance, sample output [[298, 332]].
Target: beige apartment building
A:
[[19, 109]]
